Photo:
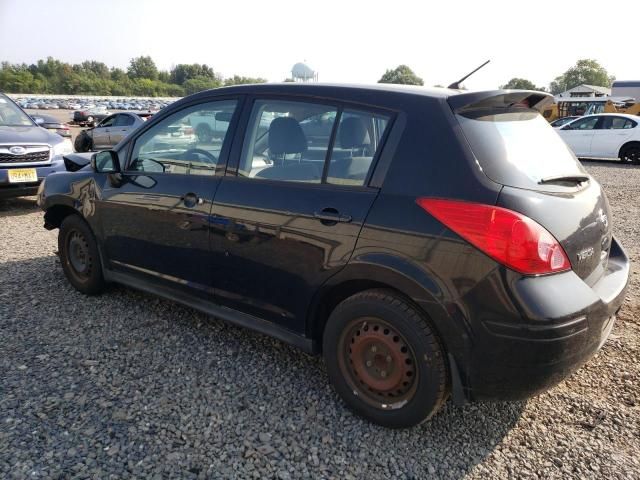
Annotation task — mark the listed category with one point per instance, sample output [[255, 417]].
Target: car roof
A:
[[329, 88], [624, 115]]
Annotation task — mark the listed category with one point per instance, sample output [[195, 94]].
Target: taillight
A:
[[188, 131], [508, 237]]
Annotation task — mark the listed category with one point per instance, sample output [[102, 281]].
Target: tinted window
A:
[[518, 147], [358, 139], [187, 142], [124, 120], [287, 141]]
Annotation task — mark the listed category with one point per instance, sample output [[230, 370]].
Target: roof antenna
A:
[[456, 85]]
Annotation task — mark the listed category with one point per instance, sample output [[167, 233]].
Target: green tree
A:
[[142, 67], [402, 75], [519, 84], [585, 71], [183, 72], [198, 84], [239, 80]]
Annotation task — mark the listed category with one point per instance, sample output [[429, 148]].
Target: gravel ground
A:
[[128, 385]]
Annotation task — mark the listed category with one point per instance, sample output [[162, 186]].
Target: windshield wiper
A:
[[564, 178]]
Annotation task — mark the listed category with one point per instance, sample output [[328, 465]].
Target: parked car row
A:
[[87, 104]]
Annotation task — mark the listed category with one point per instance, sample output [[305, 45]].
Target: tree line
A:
[[141, 78], [585, 71]]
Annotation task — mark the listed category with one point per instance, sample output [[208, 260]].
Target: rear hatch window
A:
[[516, 146]]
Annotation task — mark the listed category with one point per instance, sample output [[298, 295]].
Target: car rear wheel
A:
[[79, 256], [384, 359], [631, 153]]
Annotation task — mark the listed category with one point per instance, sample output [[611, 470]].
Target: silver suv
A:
[[28, 153]]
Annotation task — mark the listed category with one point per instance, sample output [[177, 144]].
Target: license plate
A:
[[23, 175]]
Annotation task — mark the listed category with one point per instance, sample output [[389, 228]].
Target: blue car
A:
[[28, 152]]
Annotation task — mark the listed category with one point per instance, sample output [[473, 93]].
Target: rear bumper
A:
[[532, 332], [24, 189]]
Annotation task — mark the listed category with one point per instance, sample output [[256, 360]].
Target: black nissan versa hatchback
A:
[[427, 242]]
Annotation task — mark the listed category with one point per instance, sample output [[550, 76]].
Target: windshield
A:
[[518, 147], [11, 115]]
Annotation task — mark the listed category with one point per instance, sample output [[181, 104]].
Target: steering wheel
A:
[[198, 151]]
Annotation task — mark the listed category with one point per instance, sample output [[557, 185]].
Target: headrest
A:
[[353, 133], [286, 136]]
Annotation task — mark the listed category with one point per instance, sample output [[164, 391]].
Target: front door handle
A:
[[331, 216], [191, 200]]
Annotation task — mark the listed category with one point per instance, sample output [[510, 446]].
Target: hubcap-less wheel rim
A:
[[378, 363], [78, 254]]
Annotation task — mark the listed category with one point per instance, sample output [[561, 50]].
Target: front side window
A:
[[187, 142], [584, 124], [287, 141], [124, 120], [108, 122]]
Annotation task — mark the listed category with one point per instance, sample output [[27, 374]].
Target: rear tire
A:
[[630, 153], [384, 359], [79, 256]]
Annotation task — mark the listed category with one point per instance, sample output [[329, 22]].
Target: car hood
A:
[[27, 135]]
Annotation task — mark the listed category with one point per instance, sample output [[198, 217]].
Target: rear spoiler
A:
[[497, 99]]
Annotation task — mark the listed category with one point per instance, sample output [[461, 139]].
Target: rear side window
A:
[[287, 141], [517, 147], [618, 123], [310, 142], [358, 138]]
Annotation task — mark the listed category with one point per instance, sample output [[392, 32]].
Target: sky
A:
[[346, 41]]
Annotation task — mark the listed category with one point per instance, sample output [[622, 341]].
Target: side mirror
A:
[[566, 127], [105, 162]]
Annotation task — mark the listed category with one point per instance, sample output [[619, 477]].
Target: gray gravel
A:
[[128, 385]]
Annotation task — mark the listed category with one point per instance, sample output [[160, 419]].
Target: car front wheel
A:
[[79, 256], [384, 359]]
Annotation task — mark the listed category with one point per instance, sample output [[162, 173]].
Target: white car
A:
[[605, 135]]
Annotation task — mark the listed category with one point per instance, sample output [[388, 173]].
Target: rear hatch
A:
[[541, 177]]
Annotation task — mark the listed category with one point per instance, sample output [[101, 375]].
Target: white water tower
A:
[[301, 72]]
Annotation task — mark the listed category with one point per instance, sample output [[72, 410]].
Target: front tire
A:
[[83, 143], [79, 256], [384, 359]]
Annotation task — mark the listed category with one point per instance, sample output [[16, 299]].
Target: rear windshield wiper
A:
[[564, 178]]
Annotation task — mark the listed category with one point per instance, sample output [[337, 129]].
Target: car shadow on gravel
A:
[[11, 207], [129, 368]]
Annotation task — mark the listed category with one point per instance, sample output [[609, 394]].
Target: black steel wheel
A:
[[385, 360], [79, 255], [631, 153]]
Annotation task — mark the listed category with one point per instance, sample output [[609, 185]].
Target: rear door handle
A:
[[331, 216], [191, 200]]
